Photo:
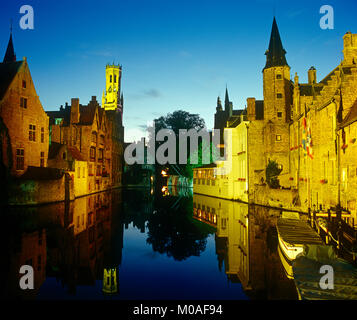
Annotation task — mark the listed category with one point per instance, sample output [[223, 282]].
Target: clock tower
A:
[[111, 95]]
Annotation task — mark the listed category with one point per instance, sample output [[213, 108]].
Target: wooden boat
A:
[[307, 275], [288, 268], [293, 234]]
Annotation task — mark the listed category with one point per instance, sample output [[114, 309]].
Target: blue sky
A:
[[175, 54]]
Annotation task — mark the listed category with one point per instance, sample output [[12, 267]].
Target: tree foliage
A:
[[272, 172], [175, 121]]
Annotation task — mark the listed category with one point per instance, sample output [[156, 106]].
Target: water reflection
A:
[[137, 244], [246, 245]]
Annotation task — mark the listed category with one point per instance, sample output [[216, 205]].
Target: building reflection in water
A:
[[70, 242], [246, 245], [75, 245]]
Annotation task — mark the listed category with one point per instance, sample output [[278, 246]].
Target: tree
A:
[[175, 121], [272, 172]]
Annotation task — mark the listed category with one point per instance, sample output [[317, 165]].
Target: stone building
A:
[[322, 135], [24, 123], [93, 134], [308, 129]]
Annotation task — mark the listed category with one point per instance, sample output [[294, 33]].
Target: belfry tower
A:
[[112, 94]]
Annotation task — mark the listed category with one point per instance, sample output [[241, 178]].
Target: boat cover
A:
[[307, 276]]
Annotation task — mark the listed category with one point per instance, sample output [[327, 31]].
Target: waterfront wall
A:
[[32, 192]]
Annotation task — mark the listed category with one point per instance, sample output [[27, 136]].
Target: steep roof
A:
[[276, 53], [75, 153], [10, 52], [350, 117], [307, 89], [8, 71]]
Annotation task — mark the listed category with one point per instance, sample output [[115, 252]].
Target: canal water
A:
[[140, 244]]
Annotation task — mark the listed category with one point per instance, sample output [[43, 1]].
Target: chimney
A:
[[251, 109], [350, 48], [74, 110], [311, 75]]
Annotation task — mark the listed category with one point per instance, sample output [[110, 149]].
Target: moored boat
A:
[[293, 234]]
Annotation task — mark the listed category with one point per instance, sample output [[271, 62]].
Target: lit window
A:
[[278, 137], [20, 159], [32, 132]]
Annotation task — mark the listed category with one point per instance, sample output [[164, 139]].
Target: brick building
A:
[[95, 134], [24, 123]]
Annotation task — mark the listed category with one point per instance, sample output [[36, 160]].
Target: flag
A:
[[306, 137]]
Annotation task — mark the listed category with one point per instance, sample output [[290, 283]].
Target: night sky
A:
[[175, 54]]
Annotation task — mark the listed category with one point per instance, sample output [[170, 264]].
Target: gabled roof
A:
[[307, 89], [8, 71], [75, 153], [276, 53], [350, 117]]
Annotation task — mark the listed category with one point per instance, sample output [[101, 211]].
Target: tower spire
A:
[[10, 52], [226, 100], [276, 53]]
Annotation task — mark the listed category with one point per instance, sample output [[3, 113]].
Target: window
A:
[[100, 155], [278, 76], [42, 159], [111, 78], [94, 137], [84, 172], [92, 154], [280, 114], [98, 171], [24, 84], [32, 132], [79, 172], [115, 78], [280, 167], [90, 170], [278, 137], [279, 95], [42, 135], [20, 159], [23, 102]]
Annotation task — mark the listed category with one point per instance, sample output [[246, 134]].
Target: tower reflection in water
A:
[[69, 243], [76, 248], [246, 245]]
